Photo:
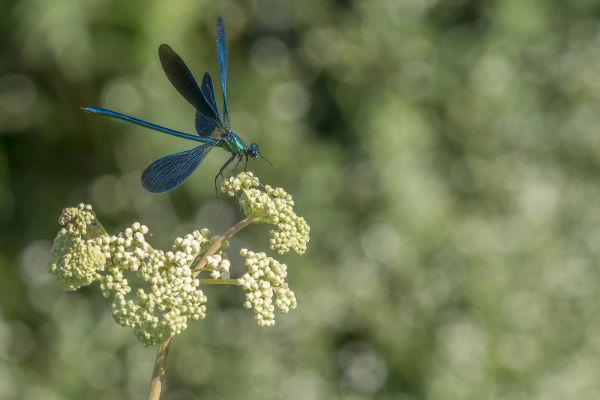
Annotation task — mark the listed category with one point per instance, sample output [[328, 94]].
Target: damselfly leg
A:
[[221, 174]]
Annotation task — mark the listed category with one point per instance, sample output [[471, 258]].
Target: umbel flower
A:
[[167, 291], [170, 294], [77, 253], [270, 206], [264, 279]]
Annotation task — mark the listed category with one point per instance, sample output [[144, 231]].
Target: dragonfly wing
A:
[[208, 89], [222, 57], [167, 172], [183, 80], [204, 126]]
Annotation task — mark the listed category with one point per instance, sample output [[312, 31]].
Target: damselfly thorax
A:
[[233, 143]]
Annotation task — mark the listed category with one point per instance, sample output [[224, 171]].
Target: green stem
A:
[[160, 365]]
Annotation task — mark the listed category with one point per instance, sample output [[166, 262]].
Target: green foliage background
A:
[[445, 153]]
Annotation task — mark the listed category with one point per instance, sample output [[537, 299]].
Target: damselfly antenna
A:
[[270, 163]]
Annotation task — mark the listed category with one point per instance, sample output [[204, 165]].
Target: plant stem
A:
[[160, 365], [201, 263], [219, 282]]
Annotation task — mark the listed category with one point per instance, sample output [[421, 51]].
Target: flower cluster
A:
[[77, 262], [76, 219], [265, 278], [162, 310], [169, 295], [218, 266], [77, 259], [157, 292], [272, 206]]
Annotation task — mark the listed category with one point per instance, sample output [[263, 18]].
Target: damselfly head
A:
[[253, 151]]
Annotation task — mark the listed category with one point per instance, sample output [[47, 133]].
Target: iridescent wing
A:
[[208, 89], [222, 57], [204, 126], [182, 79], [167, 172]]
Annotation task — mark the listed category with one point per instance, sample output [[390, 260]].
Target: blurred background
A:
[[445, 153]]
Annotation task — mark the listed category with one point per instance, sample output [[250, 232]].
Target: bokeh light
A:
[[445, 154]]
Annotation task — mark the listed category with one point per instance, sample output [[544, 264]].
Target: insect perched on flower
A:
[[213, 131]]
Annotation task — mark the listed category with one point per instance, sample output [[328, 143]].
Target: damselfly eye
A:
[[254, 151]]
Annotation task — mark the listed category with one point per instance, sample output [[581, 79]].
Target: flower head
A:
[[77, 256], [156, 292], [218, 266], [76, 262], [264, 280], [272, 206], [81, 220], [170, 297]]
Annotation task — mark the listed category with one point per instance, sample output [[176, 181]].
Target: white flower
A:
[[265, 279], [76, 262], [272, 206], [218, 266], [172, 297], [77, 251], [154, 292]]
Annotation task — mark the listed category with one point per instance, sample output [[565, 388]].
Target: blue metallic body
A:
[[149, 125]]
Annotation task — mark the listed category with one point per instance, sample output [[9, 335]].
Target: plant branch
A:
[[219, 282], [160, 365], [201, 263]]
